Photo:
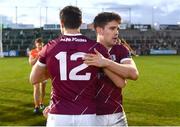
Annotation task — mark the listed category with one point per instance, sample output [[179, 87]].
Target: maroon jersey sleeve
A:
[[44, 53], [120, 53], [124, 52]]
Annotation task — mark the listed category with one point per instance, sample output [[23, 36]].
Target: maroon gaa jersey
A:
[[73, 82], [108, 96]]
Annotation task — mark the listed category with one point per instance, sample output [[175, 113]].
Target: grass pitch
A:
[[154, 99]]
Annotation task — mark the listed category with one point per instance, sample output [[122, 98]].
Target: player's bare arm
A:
[[126, 70], [38, 74]]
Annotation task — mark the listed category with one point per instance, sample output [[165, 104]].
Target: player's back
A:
[[108, 96], [73, 81]]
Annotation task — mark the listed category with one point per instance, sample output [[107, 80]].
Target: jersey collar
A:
[[109, 50], [78, 34]]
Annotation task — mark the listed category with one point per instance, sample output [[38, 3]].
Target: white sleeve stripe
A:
[[41, 64], [125, 59]]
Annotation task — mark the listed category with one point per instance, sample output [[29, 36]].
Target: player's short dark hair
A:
[[71, 17], [38, 40], [104, 18]]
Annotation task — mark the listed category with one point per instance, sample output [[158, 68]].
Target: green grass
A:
[[16, 99], [154, 99]]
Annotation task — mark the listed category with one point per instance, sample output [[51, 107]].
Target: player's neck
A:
[[71, 31], [103, 43]]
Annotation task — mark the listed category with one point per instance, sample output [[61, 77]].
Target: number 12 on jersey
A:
[[62, 57]]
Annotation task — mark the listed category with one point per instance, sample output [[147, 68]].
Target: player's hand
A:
[[97, 59], [46, 111]]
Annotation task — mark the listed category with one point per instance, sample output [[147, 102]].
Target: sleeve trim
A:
[[41, 64], [125, 59]]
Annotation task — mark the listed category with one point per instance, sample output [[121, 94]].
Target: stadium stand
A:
[[141, 41]]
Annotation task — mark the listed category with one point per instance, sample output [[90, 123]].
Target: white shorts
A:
[[116, 119], [54, 120]]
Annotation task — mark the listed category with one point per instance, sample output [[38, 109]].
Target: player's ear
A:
[[62, 23], [99, 30]]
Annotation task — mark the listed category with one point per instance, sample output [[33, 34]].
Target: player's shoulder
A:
[[120, 48], [98, 46], [53, 42], [88, 39], [90, 42]]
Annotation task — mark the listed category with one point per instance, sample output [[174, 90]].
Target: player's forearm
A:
[[32, 61], [126, 71], [117, 80]]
